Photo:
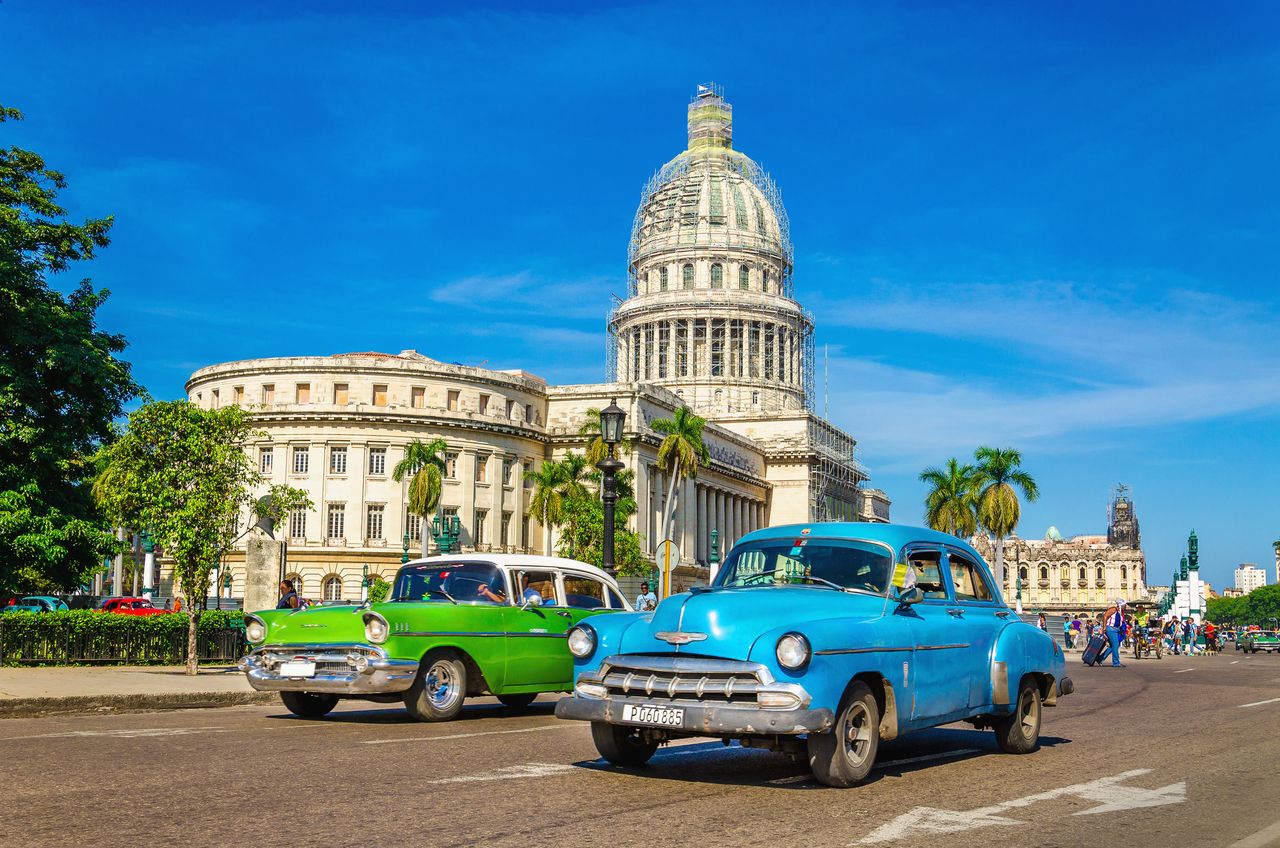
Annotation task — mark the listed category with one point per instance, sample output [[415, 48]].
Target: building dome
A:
[[1053, 535], [710, 312]]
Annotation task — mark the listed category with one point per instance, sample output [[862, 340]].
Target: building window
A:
[[237, 395], [662, 279], [755, 398], [380, 395], [744, 278], [451, 465], [478, 536], [764, 281], [1044, 572], [268, 393], [686, 276], [1099, 573], [337, 523], [302, 393], [340, 394], [213, 399], [508, 465], [298, 524], [377, 461], [482, 469], [1022, 572], [717, 276], [1082, 577], [453, 400], [332, 588], [337, 460], [506, 529], [511, 410], [528, 413], [418, 397], [1124, 572], [413, 524], [524, 530], [266, 457], [373, 522], [484, 404], [301, 460]]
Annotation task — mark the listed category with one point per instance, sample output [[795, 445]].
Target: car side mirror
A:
[[531, 601], [910, 596]]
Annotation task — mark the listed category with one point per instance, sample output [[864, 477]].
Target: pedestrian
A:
[[646, 601], [1066, 632], [1175, 629], [1076, 628], [1114, 621], [288, 597], [1210, 637], [1043, 623], [177, 604]]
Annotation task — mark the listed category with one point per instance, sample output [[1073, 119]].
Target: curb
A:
[[106, 704]]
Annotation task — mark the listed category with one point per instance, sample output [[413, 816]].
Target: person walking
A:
[[1114, 622], [1066, 632], [1043, 622], [288, 597], [646, 601]]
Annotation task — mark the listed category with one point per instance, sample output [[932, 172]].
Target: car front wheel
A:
[[1020, 733], [308, 704], [844, 756], [621, 745], [439, 689]]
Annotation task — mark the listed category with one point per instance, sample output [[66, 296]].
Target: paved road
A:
[[1181, 749]]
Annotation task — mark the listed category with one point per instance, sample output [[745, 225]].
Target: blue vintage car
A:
[[35, 603], [820, 640]]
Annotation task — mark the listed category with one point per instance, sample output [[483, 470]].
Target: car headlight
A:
[[582, 641], [376, 628], [255, 630], [793, 651]]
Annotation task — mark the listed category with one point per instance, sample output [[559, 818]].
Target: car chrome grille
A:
[[691, 679]]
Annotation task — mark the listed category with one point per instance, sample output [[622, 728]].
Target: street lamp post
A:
[[364, 583], [149, 567], [713, 561], [404, 556], [446, 533], [612, 418]]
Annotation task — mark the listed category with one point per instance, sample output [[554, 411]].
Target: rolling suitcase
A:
[[1096, 649]]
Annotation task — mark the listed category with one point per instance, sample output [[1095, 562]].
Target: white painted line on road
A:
[[1263, 838], [1233, 662], [1260, 703], [560, 726], [122, 734], [510, 773], [1184, 671]]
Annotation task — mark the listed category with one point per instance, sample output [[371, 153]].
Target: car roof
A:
[[509, 560], [894, 535]]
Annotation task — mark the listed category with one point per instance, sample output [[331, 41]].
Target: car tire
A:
[[845, 755], [1020, 733], [622, 745], [439, 689], [308, 704], [517, 702]]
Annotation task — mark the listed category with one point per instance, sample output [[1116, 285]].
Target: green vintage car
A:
[[453, 626], [1259, 640]]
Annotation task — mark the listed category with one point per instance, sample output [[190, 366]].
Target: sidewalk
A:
[[27, 692]]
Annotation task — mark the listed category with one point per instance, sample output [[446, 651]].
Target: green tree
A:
[[182, 473], [424, 464], [999, 475], [680, 455], [378, 589], [951, 503], [1262, 605], [61, 383], [546, 500], [583, 537], [280, 502], [1220, 610]]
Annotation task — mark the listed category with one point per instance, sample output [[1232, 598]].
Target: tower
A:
[[1122, 523], [710, 312]]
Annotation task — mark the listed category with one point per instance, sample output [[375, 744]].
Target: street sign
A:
[[667, 558]]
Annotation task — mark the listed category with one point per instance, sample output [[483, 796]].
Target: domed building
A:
[[710, 322]]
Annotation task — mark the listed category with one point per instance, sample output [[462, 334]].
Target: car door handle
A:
[[1002, 613], [956, 612], [565, 614]]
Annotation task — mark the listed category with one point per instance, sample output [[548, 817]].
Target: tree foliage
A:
[[951, 505], [680, 454], [61, 383], [182, 473], [280, 502], [1260, 607], [424, 465], [378, 590], [999, 474]]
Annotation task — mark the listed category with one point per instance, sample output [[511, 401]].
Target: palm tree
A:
[[998, 472], [575, 473], [680, 454], [546, 499], [596, 447], [424, 464], [951, 505]]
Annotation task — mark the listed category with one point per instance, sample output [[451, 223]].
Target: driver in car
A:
[[493, 591]]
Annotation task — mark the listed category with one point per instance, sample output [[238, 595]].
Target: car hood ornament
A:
[[679, 637]]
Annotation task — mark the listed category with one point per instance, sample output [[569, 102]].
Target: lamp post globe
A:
[[612, 420]]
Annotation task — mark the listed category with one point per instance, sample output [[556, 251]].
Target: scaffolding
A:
[[835, 474]]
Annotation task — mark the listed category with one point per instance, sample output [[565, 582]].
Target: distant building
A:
[[1250, 577], [1230, 592]]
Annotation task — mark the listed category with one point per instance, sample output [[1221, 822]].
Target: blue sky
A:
[[1049, 228]]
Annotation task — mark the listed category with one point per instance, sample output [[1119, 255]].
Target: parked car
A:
[[452, 626], [35, 603], [820, 640], [1260, 640], [131, 606]]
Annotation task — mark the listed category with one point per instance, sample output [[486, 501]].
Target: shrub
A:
[[87, 636]]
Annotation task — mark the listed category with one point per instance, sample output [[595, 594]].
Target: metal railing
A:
[[62, 645]]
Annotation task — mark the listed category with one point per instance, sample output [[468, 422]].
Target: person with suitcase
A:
[[1115, 627]]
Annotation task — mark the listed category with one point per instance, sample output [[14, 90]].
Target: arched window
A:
[[1082, 572], [686, 276], [331, 588], [717, 276], [1099, 573], [1044, 572], [744, 278], [764, 281], [1022, 572], [662, 279], [1124, 572]]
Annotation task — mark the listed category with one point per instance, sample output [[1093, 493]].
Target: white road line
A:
[[1184, 671], [561, 726], [1260, 703], [1233, 662], [134, 733], [1261, 839]]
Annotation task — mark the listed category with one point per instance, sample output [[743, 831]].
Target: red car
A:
[[131, 606]]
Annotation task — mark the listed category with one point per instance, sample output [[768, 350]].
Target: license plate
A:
[[297, 668], [654, 715]]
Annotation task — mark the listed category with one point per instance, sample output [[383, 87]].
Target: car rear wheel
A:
[[517, 702], [439, 689], [622, 745], [844, 756], [308, 704], [1020, 733]]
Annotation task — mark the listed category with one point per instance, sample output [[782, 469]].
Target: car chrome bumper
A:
[[376, 675], [703, 719]]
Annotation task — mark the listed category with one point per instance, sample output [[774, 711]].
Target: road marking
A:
[[510, 773], [1261, 839], [1184, 671], [1260, 703], [560, 726], [123, 734], [1233, 662], [1107, 791]]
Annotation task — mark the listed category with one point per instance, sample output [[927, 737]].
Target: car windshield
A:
[[834, 563], [460, 582]]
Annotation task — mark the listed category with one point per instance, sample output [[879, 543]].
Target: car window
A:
[[540, 584], [615, 602], [464, 582], [806, 561], [583, 592], [968, 580], [927, 566]]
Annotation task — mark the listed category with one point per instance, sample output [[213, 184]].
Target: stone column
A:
[[517, 509], [702, 528], [689, 519], [467, 483], [719, 520], [498, 490], [642, 484]]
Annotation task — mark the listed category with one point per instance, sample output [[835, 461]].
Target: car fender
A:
[[1022, 649], [610, 628]]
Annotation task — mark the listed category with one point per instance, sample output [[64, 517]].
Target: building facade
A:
[[1250, 577], [710, 323]]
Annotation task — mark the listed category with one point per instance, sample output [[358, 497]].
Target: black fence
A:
[[24, 645]]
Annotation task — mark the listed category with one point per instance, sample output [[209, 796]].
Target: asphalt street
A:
[[1175, 751]]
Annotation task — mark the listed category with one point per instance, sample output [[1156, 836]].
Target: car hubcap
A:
[[857, 737], [1029, 715], [441, 689]]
